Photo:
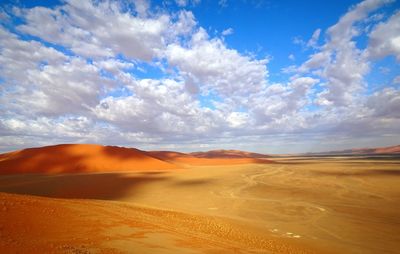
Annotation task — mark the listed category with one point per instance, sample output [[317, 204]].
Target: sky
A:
[[195, 75]]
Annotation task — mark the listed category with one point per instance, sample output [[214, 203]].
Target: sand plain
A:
[[293, 205]]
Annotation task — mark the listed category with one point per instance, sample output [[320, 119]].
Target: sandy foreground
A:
[[296, 205]]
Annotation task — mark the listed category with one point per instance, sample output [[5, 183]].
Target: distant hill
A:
[[228, 154], [361, 151]]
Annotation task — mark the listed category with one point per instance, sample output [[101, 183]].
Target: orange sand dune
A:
[[227, 154], [389, 149], [79, 158], [168, 155], [218, 161], [84, 158], [228, 157], [375, 150], [364, 151]]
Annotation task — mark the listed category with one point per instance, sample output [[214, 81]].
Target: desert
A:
[[199, 126], [251, 205]]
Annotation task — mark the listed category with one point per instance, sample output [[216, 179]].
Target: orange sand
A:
[[79, 159], [95, 158], [42, 225], [211, 204]]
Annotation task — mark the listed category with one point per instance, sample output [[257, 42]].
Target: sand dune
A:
[[168, 155], [84, 158], [120, 200], [297, 205], [79, 159], [389, 149], [227, 154], [217, 157], [362, 151]]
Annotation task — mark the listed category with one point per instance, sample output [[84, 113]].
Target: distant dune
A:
[[215, 157], [361, 151], [389, 149], [227, 154], [85, 158], [79, 159], [168, 155]]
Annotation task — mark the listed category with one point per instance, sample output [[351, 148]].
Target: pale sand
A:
[[294, 206]]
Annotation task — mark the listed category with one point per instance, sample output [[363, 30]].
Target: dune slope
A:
[[116, 227], [363, 151], [217, 157], [227, 154], [79, 159]]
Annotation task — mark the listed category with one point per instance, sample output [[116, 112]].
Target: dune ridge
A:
[[82, 158], [222, 157], [90, 158], [363, 151], [228, 154]]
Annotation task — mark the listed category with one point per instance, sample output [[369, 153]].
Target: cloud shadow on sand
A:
[[107, 186]]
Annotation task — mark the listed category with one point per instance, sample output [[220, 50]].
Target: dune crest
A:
[[87, 158], [215, 157], [227, 154], [363, 151], [79, 158]]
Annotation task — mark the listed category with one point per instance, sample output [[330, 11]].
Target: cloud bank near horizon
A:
[[135, 74]]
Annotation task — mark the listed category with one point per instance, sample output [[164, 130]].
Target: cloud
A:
[[141, 7], [280, 103], [184, 3], [385, 103], [223, 3], [396, 80], [214, 67], [227, 32], [339, 62], [181, 3], [314, 38], [185, 24], [116, 73], [159, 106], [97, 30], [46, 81], [384, 40]]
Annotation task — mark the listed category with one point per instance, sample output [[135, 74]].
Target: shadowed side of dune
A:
[[109, 186], [78, 159]]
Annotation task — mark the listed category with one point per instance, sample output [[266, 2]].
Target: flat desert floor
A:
[[295, 205]]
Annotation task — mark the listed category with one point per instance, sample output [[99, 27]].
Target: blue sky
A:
[[187, 75]]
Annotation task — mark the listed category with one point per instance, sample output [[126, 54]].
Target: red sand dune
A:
[[365, 151], [217, 157], [227, 154], [389, 149], [168, 155], [84, 158], [79, 158], [376, 150]]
